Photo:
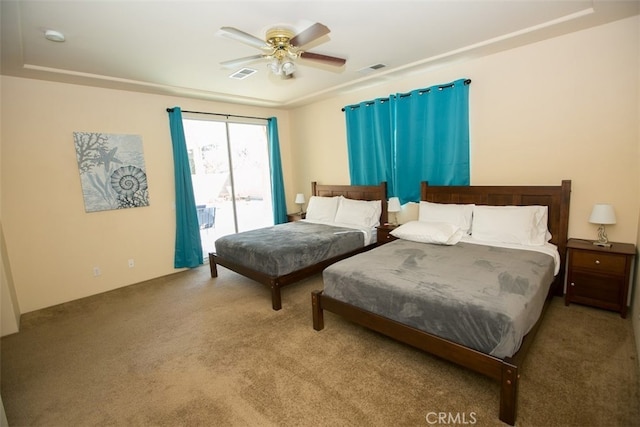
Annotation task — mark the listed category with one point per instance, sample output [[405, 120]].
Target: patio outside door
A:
[[231, 177]]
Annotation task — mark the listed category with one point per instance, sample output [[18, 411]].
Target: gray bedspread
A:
[[288, 247], [483, 297]]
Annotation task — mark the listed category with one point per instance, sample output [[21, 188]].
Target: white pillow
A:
[[523, 225], [408, 212], [365, 213], [459, 215], [541, 224], [322, 208], [442, 233]]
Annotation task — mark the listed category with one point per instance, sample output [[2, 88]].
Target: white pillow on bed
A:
[[459, 215], [365, 213], [523, 225], [322, 208], [441, 233]]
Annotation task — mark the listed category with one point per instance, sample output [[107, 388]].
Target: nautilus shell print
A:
[[127, 180], [112, 171]]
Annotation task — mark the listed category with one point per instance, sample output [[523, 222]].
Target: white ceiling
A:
[[173, 47]]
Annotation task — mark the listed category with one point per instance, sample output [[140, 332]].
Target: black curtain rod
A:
[[404, 95], [169, 110]]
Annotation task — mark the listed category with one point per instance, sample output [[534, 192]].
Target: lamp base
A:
[[602, 244]]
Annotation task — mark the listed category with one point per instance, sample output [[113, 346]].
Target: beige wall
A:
[[52, 244], [565, 108], [635, 297]]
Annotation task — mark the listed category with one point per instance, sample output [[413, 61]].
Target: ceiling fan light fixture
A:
[[275, 67], [288, 68]]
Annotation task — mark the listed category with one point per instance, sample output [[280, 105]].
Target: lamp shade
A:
[[299, 198], [394, 204], [602, 214]]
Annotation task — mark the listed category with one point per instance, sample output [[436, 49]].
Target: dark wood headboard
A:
[[356, 192], [557, 198]]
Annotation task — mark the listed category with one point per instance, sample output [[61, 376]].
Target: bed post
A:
[[564, 236], [509, 392], [316, 309], [276, 299], [212, 265]]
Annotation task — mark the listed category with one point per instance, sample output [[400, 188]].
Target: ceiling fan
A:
[[282, 48]]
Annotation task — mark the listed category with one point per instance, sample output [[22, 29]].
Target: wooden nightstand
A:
[[296, 216], [384, 235], [599, 276]]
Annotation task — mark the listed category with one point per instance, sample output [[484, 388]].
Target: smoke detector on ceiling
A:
[[54, 36]]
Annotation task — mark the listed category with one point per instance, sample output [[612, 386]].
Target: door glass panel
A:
[[231, 177]]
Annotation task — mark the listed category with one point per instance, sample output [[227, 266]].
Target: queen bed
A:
[[341, 221], [467, 281]]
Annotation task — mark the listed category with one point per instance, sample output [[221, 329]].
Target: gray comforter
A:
[[289, 247], [483, 297]]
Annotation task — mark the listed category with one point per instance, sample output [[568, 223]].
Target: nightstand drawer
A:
[[384, 234], [599, 262]]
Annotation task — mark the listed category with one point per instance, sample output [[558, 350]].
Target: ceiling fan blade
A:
[[312, 33], [240, 61], [243, 37], [331, 60]]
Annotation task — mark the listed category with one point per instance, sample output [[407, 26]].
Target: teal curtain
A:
[[277, 182], [188, 250], [370, 142], [432, 138], [422, 135]]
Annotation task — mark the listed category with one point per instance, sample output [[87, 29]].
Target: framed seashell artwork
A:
[[112, 171]]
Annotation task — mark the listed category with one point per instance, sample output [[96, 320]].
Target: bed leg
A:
[[318, 314], [212, 265], [509, 393], [276, 299]]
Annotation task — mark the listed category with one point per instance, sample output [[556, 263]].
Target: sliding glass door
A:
[[231, 177]]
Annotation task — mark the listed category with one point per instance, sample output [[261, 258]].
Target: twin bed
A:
[[287, 253], [476, 298]]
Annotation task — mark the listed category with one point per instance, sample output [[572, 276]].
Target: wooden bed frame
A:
[[275, 283], [506, 371]]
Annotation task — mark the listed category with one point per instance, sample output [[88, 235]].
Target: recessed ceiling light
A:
[[54, 36]]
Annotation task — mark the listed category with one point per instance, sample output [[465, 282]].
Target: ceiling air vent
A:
[[371, 68], [242, 74]]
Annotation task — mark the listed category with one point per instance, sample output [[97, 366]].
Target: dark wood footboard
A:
[[504, 371], [275, 283]]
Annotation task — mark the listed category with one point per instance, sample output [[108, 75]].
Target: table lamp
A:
[[394, 207], [300, 200], [602, 214]]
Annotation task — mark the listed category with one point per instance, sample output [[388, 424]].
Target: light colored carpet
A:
[[189, 350]]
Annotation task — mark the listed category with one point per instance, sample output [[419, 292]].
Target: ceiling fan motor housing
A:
[[279, 39]]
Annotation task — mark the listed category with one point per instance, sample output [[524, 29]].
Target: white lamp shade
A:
[[394, 204], [602, 214], [299, 198]]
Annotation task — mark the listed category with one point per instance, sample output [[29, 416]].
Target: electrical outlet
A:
[[96, 271], [131, 263]]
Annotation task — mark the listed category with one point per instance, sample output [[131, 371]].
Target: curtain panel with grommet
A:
[[188, 245], [277, 181], [422, 135]]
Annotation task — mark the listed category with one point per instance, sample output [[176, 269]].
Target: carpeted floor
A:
[[188, 350]]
